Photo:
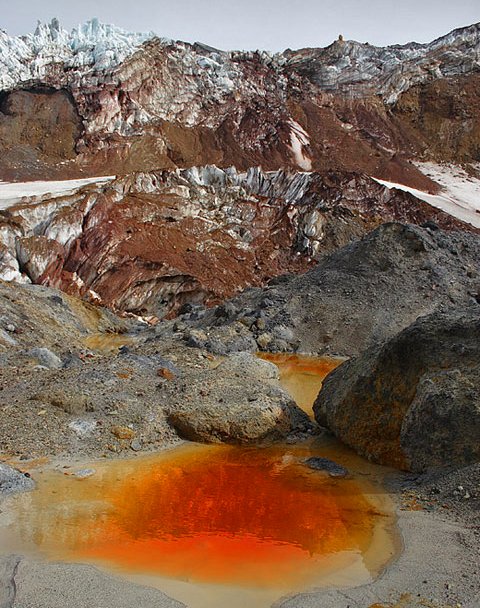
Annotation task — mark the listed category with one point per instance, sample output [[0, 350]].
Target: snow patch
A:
[[12, 193], [299, 139], [460, 194]]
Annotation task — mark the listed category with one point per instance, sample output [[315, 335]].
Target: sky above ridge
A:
[[256, 24]]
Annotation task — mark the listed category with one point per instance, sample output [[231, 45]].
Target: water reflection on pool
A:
[[215, 524]]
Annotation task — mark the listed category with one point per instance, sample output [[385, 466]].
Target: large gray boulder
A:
[[240, 401], [360, 294], [413, 401]]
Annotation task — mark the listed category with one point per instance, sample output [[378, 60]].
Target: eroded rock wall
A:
[[148, 103], [150, 242]]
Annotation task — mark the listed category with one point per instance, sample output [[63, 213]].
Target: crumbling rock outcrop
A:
[[412, 401], [130, 102], [362, 70]]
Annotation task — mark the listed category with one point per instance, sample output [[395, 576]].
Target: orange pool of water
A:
[[206, 524], [302, 375], [218, 514]]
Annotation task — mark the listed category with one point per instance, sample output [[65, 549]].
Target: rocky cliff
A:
[[151, 242], [102, 100], [181, 126]]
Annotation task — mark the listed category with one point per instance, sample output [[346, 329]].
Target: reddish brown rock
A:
[[150, 242], [348, 107]]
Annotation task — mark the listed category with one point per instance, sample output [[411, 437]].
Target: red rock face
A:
[[180, 105], [159, 236], [149, 242]]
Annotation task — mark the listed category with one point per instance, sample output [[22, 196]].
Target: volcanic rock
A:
[[132, 102], [45, 357], [325, 464], [413, 401], [13, 480], [240, 401], [364, 292], [152, 242]]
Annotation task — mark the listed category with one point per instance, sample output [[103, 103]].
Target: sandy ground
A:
[[435, 569]]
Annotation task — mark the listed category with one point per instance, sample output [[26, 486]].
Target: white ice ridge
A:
[[93, 44], [460, 194], [12, 193]]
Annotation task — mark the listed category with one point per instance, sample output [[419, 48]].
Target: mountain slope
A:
[[232, 167], [137, 102], [150, 242]]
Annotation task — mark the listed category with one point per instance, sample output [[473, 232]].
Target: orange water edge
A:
[[220, 519], [213, 514], [302, 375]]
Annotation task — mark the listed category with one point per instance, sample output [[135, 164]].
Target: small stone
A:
[[12, 480], [11, 328], [325, 464], [136, 446], [281, 332], [84, 473], [264, 340], [83, 428], [266, 303], [57, 300], [123, 432], [260, 323], [196, 338], [280, 346], [164, 372], [45, 357], [247, 321]]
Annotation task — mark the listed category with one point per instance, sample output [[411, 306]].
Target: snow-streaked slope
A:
[[359, 69], [460, 194], [13, 193], [92, 45]]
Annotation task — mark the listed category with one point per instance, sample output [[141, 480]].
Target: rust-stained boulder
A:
[[413, 401]]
